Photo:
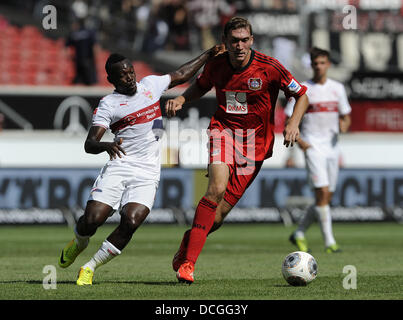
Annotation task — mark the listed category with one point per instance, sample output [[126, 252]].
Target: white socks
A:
[[307, 219], [105, 253], [325, 223], [81, 241]]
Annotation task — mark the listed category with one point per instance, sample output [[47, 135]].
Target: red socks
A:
[[202, 223], [185, 241]]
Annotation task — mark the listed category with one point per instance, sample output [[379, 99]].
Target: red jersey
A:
[[247, 98]]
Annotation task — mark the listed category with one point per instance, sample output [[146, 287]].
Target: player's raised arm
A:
[[291, 130], [188, 70], [192, 93], [94, 145]]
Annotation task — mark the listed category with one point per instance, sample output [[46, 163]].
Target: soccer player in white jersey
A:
[[129, 180], [326, 116]]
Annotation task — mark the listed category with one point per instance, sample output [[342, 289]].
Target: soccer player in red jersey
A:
[[247, 85]]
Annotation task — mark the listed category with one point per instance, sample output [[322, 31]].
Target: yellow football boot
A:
[[85, 276], [300, 243], [334, 248]]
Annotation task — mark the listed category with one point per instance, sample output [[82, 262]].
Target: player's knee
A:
[[92, 221], [133, 219], [218, 220], [216, 192], [322, 196], [129, 223]]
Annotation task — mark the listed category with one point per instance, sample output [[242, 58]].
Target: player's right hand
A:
[[290, 133], [114, 149], [173, 105]]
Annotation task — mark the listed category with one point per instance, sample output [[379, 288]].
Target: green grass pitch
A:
[[239, 262]]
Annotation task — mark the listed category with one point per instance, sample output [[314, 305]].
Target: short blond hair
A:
[[237, 23]]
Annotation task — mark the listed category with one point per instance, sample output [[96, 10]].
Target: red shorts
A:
[[238, 183], [242, 169]]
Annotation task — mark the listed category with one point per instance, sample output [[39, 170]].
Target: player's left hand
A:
[[291, 134], [173, 105], [217, 50], [343, 125]]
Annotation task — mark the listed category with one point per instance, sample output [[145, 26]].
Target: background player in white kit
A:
[[129, 180], [327, 114]]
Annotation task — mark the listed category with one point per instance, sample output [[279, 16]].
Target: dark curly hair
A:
[[113, 58]]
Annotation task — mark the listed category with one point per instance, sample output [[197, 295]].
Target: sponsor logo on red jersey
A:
[[255, 83], [236, 102], [237, 109]]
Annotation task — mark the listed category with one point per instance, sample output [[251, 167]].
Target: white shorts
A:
[[322, 167], [119, 185]]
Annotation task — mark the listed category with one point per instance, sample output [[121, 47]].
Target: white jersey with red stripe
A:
[[137, 120], [320, 124]]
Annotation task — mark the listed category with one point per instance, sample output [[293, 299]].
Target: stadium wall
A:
[[58, 195], [186, 147]]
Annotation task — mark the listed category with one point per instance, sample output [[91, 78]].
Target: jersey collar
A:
[[251, 58]]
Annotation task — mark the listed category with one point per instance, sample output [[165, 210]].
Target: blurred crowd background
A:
[[161, 28], [365, 39]]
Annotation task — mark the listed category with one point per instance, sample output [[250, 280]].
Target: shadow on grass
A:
[[34, 282], [153, 283], [132, 282]]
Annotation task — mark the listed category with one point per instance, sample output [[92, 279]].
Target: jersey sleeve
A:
[[157, 83], [102, 115], [288, 84], [344, 105], [204, 79]]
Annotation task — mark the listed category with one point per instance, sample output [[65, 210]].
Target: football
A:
[[299, 268]]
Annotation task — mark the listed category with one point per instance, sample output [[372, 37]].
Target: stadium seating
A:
[[27, 57]]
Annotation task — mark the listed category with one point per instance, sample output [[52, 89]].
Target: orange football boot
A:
[[185, 272]]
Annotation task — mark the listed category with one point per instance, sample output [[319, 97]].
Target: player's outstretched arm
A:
[[94, 145], [291, 130], [188, 70], [192, 93]]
